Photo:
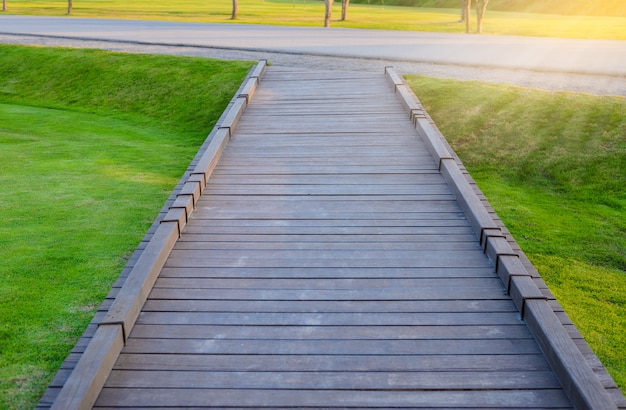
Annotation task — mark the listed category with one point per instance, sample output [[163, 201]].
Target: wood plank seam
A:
[[234, 114], [485, 234], [509, 280], [497, 261]]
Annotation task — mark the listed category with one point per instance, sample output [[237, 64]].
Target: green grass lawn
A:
[[311, 13], [553, 165], [91, 145]]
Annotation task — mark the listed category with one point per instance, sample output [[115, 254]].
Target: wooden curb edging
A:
[[84, 384], [579, 382]]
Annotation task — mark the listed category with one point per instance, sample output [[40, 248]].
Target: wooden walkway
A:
[[332, 262]]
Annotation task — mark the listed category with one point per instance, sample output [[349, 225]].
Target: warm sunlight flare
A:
[[546, 18]]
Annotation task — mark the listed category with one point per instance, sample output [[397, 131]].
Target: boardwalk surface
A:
[[328, 264]]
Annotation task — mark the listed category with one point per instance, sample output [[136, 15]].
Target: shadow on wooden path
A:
[[327, 250]]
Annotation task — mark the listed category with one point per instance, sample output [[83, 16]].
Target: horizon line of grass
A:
[[310, 13], [92, 144]]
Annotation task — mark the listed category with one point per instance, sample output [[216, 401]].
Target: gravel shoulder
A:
[[553, 81]]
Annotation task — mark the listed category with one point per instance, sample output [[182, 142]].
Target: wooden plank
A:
[[446, 221], [452, 293], [338, 205], [327, 319], [84, 384], [336, 381], [244, 245], [382, 216], [332, 363], [134, 292], [434, 192], [577, 378], [326, 398], [322, 273], [315, 283], [513, 331], [330, 230], [382, 238], [370, 179], [430, 259], [332, 347]]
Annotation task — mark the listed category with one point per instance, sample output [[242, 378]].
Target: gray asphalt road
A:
[[578, 56], [595, 66]]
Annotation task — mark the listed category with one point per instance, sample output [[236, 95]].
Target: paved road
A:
[[596, 66], [578, 56]]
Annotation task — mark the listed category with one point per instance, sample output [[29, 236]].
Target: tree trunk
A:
[[233, 16], [468, 14], [344, 9], [462, 11], [69, 7], [4, 5], [481, 7], [328, 13]]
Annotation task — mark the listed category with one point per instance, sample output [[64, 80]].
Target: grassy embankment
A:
[[311, 12], [553, 165], [91, 145]]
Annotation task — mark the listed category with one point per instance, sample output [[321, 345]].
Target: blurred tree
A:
[[233, 16], [328, 12], [462, 11], [481, 7], [344, 9]]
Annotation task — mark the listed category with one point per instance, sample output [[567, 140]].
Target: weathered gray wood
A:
[[577, 378], [133, 294], [333, 363], [449, 220], [249, 88], [429, 191], [332, 347], [233, 115], [353, 238], [310, 284], [322, 273], [326, 398], [432, 259], [338, 381], [83, 386], [326, 295], [518, 331]]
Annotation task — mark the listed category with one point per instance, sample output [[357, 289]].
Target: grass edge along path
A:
[[91, 145], [553, 166], [310, 13]]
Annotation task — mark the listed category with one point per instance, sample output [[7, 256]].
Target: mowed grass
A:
[[311, 13], [91, 145], [553, 165]]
